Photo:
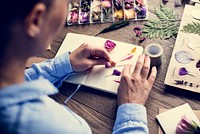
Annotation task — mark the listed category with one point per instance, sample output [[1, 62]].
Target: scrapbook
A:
[[102, 77]]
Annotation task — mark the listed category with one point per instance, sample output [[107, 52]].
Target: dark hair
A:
[[12, 11]]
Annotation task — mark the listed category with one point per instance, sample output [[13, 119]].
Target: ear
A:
[[34, 20]]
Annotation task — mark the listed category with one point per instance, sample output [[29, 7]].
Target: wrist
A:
[[139, 102], [71, 60]]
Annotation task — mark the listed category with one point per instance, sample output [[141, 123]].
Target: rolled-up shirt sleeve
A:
[[131, 119], [55, 70]]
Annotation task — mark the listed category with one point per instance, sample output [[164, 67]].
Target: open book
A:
[[100, 77]]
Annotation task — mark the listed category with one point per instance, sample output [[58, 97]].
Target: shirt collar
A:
[[26, 91]]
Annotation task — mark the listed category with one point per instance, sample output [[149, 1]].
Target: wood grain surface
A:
[[99, 108]]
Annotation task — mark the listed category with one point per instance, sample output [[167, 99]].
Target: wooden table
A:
[[99, 108]]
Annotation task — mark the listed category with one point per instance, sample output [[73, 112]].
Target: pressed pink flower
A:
[[138, 33], [130, 56], [187, 126], [106, 3], [73, 16], [140, 2], [109, 45], [117, 81], [142, 39], [137, 28]]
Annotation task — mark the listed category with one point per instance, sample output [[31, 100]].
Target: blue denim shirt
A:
[[26, 108]]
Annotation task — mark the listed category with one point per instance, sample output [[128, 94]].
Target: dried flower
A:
[[106, 4], [187, 126], [130, 56], [180, 82], [132, 51], [109, 45], [117, 81], [191, 84], [116, 72], [138, 33], [198, 64], [141, 11], [84, 17], [129, 4], [182, 71], [73, 13], [183, 57], [73, 17], [137, 28], [186, 83], [140, 2], [142, 39], [118, 4]]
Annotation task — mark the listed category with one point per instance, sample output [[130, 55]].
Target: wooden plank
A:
[[96, 121], [104, 103]]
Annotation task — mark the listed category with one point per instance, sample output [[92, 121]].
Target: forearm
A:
[[55, 70], [131, 118]]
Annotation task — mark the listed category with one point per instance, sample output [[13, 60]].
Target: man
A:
[[27, 27]]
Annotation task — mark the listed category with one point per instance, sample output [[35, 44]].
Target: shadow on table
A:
[[182, 92], [102, 102], [69, 88]]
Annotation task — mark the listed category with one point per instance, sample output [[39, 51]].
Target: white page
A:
[[196, 1], [102, 78], [170, 119]]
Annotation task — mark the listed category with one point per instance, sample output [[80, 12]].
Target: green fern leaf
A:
[[165, 27], [168, 12], [160, 14], [193, 27]]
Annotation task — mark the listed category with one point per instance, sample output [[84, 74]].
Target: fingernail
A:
[[107, 65], [154, 67], [113, 63], [143, 55]]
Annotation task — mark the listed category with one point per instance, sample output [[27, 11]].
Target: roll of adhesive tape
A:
[[154, 51]]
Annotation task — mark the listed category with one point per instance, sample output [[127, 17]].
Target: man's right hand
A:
[[135, 86]]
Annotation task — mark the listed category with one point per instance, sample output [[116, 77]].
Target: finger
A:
[[146, 67], [139, 65], [127, 70], [153, 74], [94, 62], [101, 53]]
